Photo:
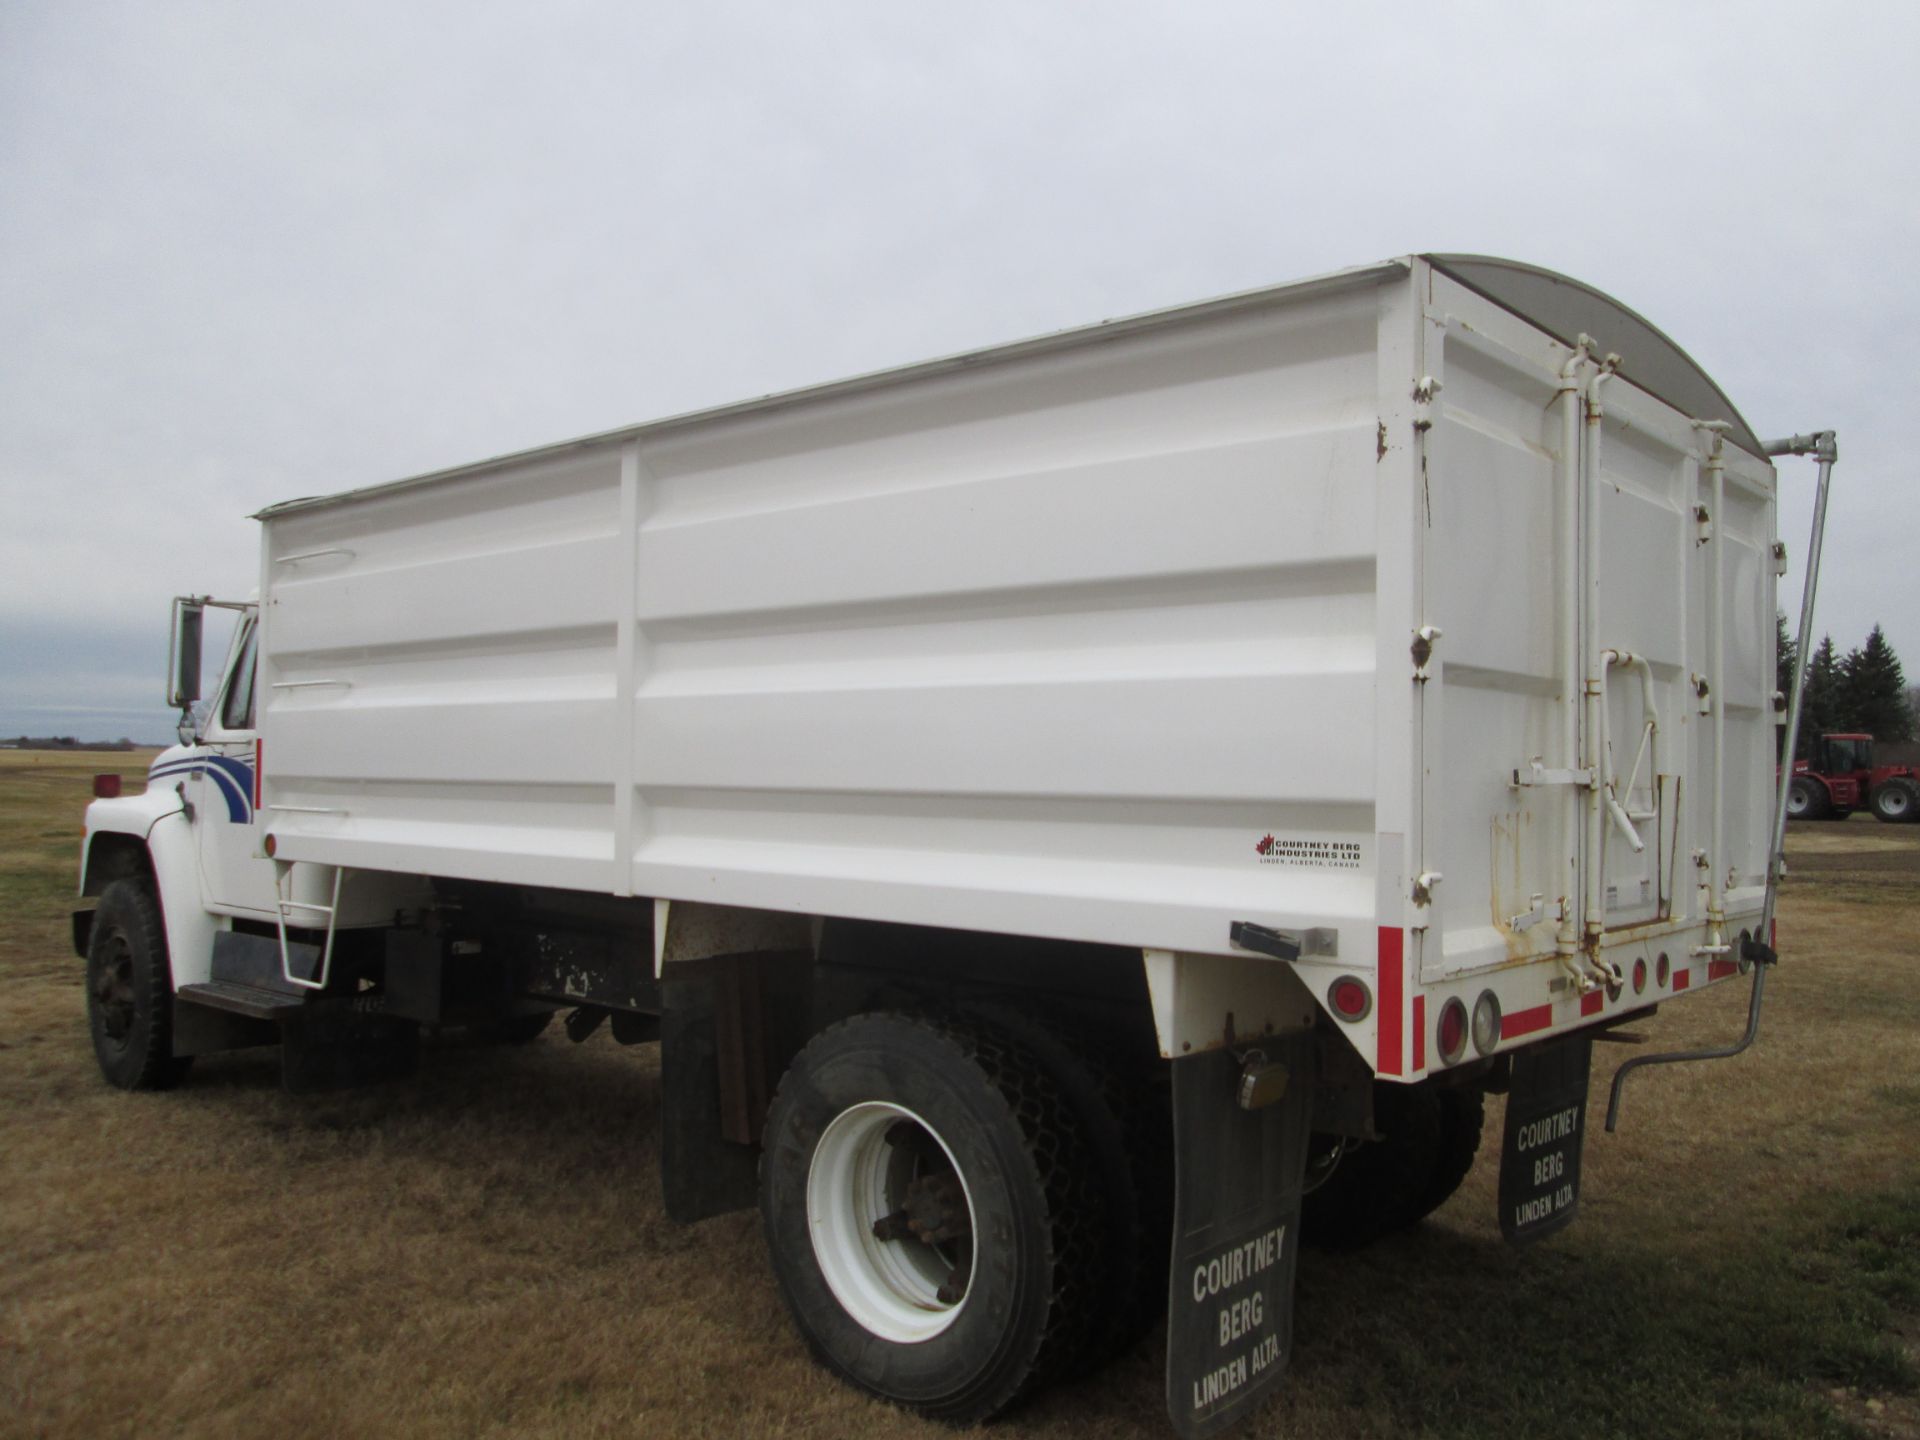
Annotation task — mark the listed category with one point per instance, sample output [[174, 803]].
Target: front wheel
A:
[[130, 990], [929, 1213], [1807, 800], [1897, 802]]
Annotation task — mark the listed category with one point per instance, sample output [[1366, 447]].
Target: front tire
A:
[[1807, 800], [130, 990], [929, 1213]]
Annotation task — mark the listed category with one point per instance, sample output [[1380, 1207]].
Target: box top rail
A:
[[1563, 307]]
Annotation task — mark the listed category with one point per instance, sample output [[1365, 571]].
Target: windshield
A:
[[236, 711], [1849, 755]]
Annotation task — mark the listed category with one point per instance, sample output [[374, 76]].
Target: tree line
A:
[[1864, 691]]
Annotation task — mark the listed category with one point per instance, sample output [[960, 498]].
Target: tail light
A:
[[1350, 999], [1660, 971], [1486, 1022], [1639, 975], [1451, 1033], [106, 787]]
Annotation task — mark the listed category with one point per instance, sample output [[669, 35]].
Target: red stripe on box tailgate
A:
[[1525, 1022], [1590, 1004]]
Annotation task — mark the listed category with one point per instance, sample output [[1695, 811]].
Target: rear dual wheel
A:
[[1125, 1118], [1427, 1137], [511, 1029], [931, 1212]]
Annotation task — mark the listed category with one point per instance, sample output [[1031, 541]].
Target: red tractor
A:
[[1841, 776]]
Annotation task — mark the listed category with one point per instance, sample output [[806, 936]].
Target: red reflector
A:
[[106, 787], [1525, 1022], [1592, 1004], [1720, 969], [1350, 999], [1639, 976], [1389, 1028]]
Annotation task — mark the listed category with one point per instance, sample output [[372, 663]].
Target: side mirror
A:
[[183, 653]]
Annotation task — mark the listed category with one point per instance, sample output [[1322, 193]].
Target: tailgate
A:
[[1597, 722]]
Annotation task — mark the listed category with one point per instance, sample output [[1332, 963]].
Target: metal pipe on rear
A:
[[1824, 447], [1717, 679], [1567, 937], [1594, 690]]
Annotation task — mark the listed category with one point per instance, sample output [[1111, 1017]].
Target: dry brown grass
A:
[[482, 1251]]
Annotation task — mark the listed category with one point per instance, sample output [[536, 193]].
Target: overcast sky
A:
[[250, 251]]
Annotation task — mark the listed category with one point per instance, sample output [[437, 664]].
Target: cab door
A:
[[235, 877]]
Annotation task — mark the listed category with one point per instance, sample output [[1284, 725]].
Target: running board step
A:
[[240, 958], [248, 1000]]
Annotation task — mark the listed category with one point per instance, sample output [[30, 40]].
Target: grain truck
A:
[[1077, 818]]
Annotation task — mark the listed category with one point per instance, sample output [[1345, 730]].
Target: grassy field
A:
[[482, 1251]]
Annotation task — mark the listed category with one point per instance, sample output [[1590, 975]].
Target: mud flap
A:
[[701, 1173], [1545, 1135], [1235, 1235]]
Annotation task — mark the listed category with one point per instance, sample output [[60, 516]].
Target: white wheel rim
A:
[[890, 1287]]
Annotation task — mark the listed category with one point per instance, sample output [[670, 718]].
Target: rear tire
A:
[[1897, 802], [1128, 1128], [130, 990], [930, 1213], [1807, 800], [1428, 1137], [512, 1029], [1463, 1116]]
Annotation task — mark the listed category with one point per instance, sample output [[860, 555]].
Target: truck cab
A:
[[190, 893]]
